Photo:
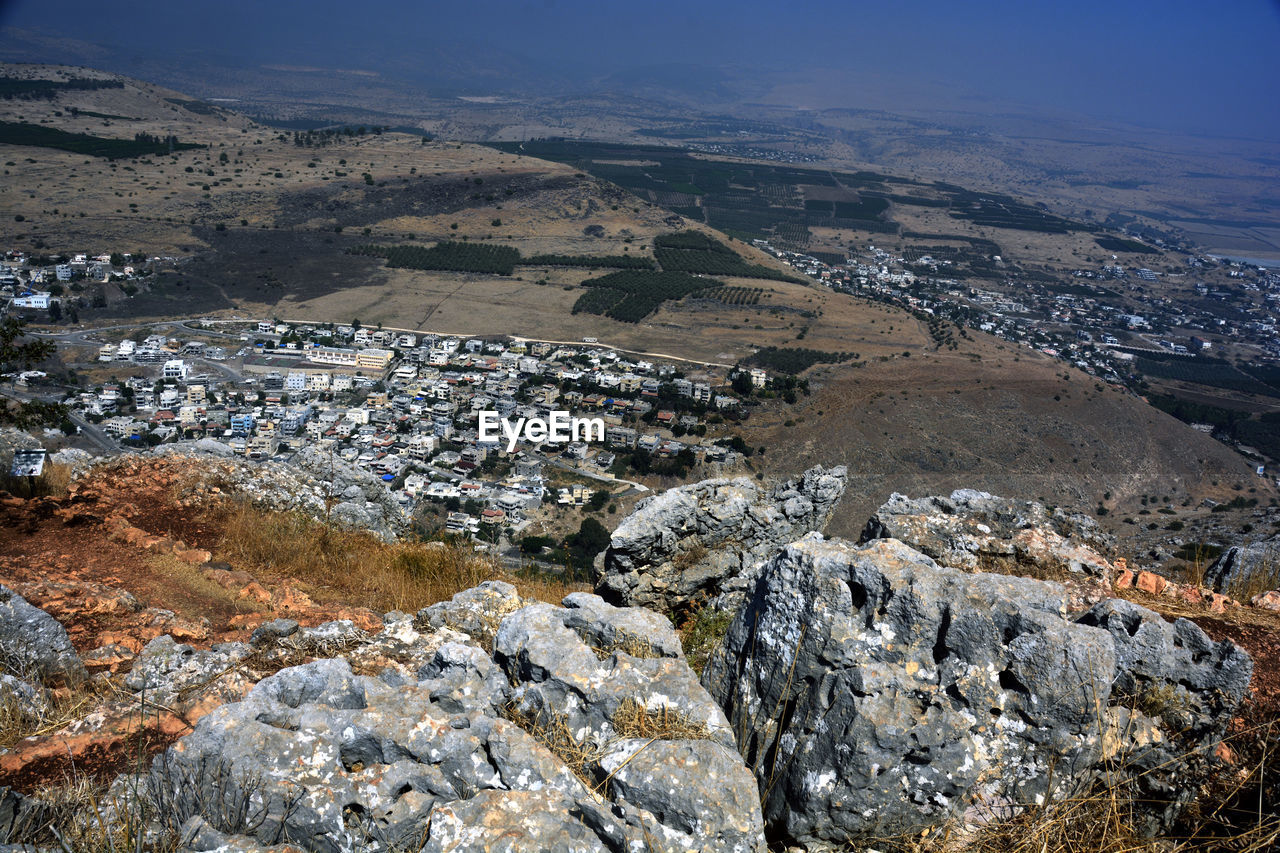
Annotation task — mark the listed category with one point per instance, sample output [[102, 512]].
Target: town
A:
[[411, 408]]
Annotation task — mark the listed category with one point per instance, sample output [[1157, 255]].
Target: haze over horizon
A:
[[1193, 68]]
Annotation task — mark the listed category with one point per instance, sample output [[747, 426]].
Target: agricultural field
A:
[[1211, 372], [31, 89], [795, 360], [743, 199], [700, 254], [621, 262], [23, 133], [631, 295], [797, 208], [735, 295], [448, 255]]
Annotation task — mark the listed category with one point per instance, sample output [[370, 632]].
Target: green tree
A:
[[17, 354], [592, 538]]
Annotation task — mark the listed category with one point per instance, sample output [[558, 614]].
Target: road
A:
[[92, 433]]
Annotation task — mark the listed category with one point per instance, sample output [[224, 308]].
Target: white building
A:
[[32, 299]]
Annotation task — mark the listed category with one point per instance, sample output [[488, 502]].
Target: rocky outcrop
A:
[[706, 540], [34, 644], [360, 500], [567, 736], [76, 460], [1246, 568], [311, 482], [974, 530], [875, 692]]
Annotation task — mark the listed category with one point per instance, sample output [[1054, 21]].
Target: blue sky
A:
[[1200, 65]]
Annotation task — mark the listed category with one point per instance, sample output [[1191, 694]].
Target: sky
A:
[[1205, 66]]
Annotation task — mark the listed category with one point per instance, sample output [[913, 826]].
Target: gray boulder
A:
[[875, 692], [165, 669], [977, 531], [476, 612], [364, 502], [22, 699], [34, 645], [1244, 569], [312, 481], [74, 458], [566, 737], [705, 541]]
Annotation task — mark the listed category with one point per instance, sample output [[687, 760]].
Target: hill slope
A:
[[261, 220]]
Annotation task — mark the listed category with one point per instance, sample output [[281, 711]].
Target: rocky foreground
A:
[[861, 689]]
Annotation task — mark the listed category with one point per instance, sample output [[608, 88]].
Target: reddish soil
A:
[[119, 561]]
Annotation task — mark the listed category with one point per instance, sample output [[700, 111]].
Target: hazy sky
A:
[[1203, 65]]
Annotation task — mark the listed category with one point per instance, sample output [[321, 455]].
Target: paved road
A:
[[91, 432]]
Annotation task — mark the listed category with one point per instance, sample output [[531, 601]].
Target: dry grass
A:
[[77, 814], [1176, 608], [64, 706], [552, 731], [52, 483], [634, 720], [1098, 824], [357, 568], [1265, 577], [629, 644], [702, 634]]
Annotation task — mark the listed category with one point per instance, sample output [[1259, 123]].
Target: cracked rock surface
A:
[[876, 692]]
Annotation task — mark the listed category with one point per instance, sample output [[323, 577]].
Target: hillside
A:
[[261, 223], [1000, 420], [204, 664]]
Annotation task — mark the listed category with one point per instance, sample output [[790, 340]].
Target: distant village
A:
[[1087, 322]]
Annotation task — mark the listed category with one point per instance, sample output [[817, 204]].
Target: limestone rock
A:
[[1253, 568], [476, 612], [706, 540], [166, 668], [876, 692], [974, 530], [22, 699], [525, 748], [33, 644]]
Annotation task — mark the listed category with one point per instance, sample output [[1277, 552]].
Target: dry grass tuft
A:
[[1266, 577], [552, 731], [634, 720], [78, 814], [702, 634], [628, 644], [356, 567], [1099, 824], [63, 707]]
